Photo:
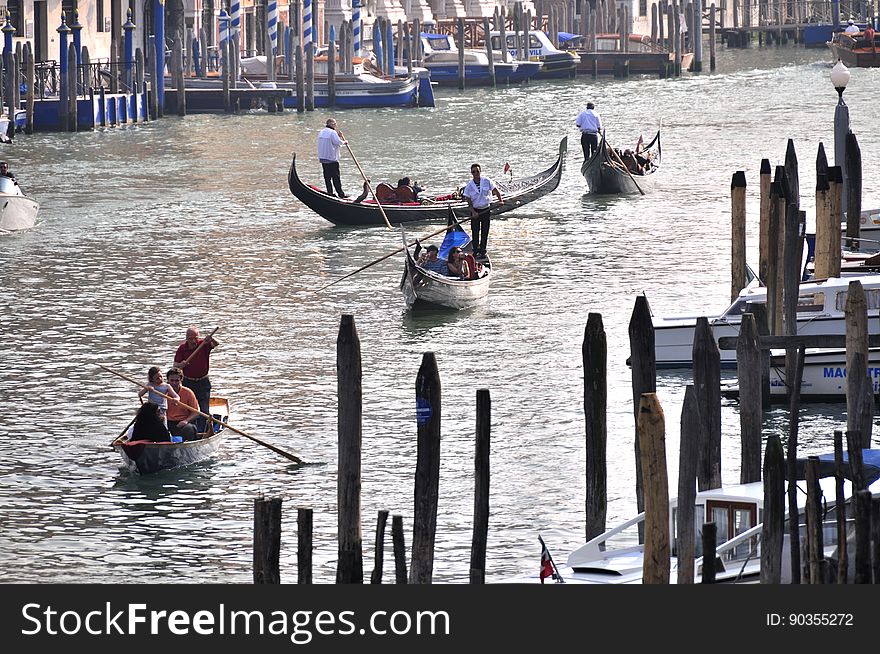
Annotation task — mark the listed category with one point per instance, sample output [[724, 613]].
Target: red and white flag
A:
[[508, 169], [547, 567]]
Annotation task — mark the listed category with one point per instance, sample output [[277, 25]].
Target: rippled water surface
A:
[[146, 230]]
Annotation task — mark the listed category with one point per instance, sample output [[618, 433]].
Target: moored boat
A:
[[441, 57], [421, 286], [555, 63], [146, 457], [345, 211], [820, 311], [606, 173], [643, 56], [617, 557], [17, 210]]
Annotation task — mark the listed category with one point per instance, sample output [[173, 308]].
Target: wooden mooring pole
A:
[[643, 363], [764, 223], [773, 527], [738, 279], [652, 438], [595, 359], [751, 413], [689, 455], [853, 193], [707, 383], [400, 575], [710, 534], [350, 568], [815, 552], [304, 546], [267, 540], [481, 487], [427, 481], [379, 548], [840, 507]]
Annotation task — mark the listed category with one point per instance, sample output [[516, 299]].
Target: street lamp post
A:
[[840, 78]]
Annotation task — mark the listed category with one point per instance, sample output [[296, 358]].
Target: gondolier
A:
[[590, 124], [193, 357], [329, 141], [478, 194]]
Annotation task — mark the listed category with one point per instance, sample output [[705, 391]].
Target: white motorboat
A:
[[820, 311], [824, 376], [616, 557], [17, 210], [423, 286]]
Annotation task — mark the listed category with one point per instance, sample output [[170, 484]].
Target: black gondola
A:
[[606, 175], [339, 211]]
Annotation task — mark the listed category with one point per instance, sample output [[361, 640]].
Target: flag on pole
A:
[[639, 144], [508, 170], [548, 568]]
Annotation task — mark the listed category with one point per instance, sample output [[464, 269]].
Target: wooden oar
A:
[[186, 361], [367, 182], [625, 167], [391, 254], [287, 455]]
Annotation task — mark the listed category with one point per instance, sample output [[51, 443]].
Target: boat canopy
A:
[[568, 36], [455, 238], [870, 459]]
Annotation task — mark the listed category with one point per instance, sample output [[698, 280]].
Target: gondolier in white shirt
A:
[[478, 194], [590, 124], [329, 141]]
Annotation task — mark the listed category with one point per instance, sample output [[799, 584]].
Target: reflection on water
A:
[[149, 229]]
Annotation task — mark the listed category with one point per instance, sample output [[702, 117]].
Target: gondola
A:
[[339, 211], [146, 457], [424, 287], [606, 175]]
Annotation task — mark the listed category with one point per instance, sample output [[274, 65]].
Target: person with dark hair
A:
[[182, 413], [155, 386], [149, 425], [430, 261], [590, 125], [5, 172], [329, 141], [478, 194]]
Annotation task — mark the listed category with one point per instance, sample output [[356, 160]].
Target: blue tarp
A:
[[457, 237], [568, 36], [870, 459]]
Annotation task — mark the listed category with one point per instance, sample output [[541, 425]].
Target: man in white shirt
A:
[[590, 124], [851, 27], [478, 194], [329, 141]]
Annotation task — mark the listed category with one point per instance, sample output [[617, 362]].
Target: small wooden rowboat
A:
[[424, 287], [606, 175], [146, 457], [341, 211]]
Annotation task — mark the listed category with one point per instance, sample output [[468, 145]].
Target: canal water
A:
[[148, 229]]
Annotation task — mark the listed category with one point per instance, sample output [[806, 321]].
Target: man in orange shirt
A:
[[181, 414]]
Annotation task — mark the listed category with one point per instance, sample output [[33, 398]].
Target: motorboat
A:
[[555, 63], [823, 378], [17, 210], [854, 50], [617, 556], [606, 171], [441, 58], [820, 311], [642, 56], [146, 457]]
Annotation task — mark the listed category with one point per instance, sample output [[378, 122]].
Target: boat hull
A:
[[17, 212], [855, 58], [605, 177], [367, 214], [422, 288], [474, 75], [147, 458]]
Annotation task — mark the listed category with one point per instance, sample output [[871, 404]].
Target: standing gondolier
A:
[[478, 195], [590, 124], [193, 357], [329, 141]]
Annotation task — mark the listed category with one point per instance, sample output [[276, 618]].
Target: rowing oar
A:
[[183, 364], [367, 182], [391, 254], [287, 455], [626, 168]]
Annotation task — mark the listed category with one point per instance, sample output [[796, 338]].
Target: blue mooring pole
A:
[[63, 30], [159, 33], [76, 28]]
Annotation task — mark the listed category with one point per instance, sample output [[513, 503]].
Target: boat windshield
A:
[[8, 186]]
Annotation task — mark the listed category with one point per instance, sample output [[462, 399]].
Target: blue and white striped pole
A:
[[307, 25], [356, 25], [235, 13], [272, 24], [223, 23]]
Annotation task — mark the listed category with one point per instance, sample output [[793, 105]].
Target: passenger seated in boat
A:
[[429, 261], [462, 265], [155, 386], [407, 191], [629, 159], [149, 425]]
